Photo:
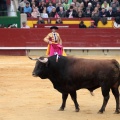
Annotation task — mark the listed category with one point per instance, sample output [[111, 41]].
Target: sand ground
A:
[[24, 97]]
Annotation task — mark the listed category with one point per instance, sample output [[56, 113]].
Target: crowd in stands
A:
[[70, 8], [94, 9]]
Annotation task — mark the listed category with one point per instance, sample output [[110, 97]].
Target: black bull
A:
[[70, 74]]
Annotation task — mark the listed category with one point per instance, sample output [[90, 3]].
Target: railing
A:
[[7, 20]]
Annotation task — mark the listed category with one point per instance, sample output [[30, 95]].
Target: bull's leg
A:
[[115, 92], [64, 98], [74, 98], [105, 93]]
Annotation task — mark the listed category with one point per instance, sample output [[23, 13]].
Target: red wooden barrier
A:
[[71, 37]]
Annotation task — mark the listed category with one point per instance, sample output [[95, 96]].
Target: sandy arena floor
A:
[[23, 97]]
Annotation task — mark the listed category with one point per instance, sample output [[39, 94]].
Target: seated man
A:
[[54, 42], [27, 9]]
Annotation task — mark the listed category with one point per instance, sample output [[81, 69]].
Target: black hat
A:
[[54, 27]]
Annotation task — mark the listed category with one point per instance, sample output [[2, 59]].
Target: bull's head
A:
[[40, 67]]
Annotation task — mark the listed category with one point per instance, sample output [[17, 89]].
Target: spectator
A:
[[66, 5], [99, 6], [24, 25], [105, 5], [115, 2], [71, 13], [77, 4], [114, 8], [110, 13], [117, 12], [82, 6], [44, 13], [88, 12], [35, 13], [53, 13], [103, 13], [95, 16], [40, 20], [82, 25], [90, 7], [34, 6], [28, 10], [94, 3], [41, 6], [62, 13], [58, 7], [22, 5], [85, 3], [59, 21], [48, 21], [80, 13], [92, 25], [50, 7]]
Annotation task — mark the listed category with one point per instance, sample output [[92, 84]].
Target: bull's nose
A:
[[33, 74]]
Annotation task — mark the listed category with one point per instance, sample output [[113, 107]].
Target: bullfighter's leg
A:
[[64, 98], [74, 98], [115, 92], [105, 93]]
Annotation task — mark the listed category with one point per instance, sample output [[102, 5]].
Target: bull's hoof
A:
[[117, 112], [100, 112], [61, 109], [77, 110]]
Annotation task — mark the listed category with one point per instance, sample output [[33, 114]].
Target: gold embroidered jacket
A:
[[54, 38]]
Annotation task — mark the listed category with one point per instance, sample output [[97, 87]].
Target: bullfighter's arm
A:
[[46, 39]]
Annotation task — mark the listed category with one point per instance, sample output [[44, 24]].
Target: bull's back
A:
[[90, 72]]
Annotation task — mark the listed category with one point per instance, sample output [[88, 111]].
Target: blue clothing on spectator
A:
[[49, 9], [27, 9]]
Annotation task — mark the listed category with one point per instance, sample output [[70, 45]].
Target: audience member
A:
[[71, 13], [62, 13], [66, 5], [50, 7], [77, 4], [99, 6], [89, 7], [110, 13], [103, 13], [35, 13], [53, 13], [44, 14], [40, 20], [115, 3], [95, 16], [59, 21], [92, 25], [27, 9], [48, 21], [88, 12], [58, 7], [41, 6], [82, 25], [22, 5], [114, 8], [94, 3], [80, 13], [24, 25], [105, 5]]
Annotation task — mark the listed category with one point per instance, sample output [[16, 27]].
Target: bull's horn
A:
[[44, 60], [32, 58]]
